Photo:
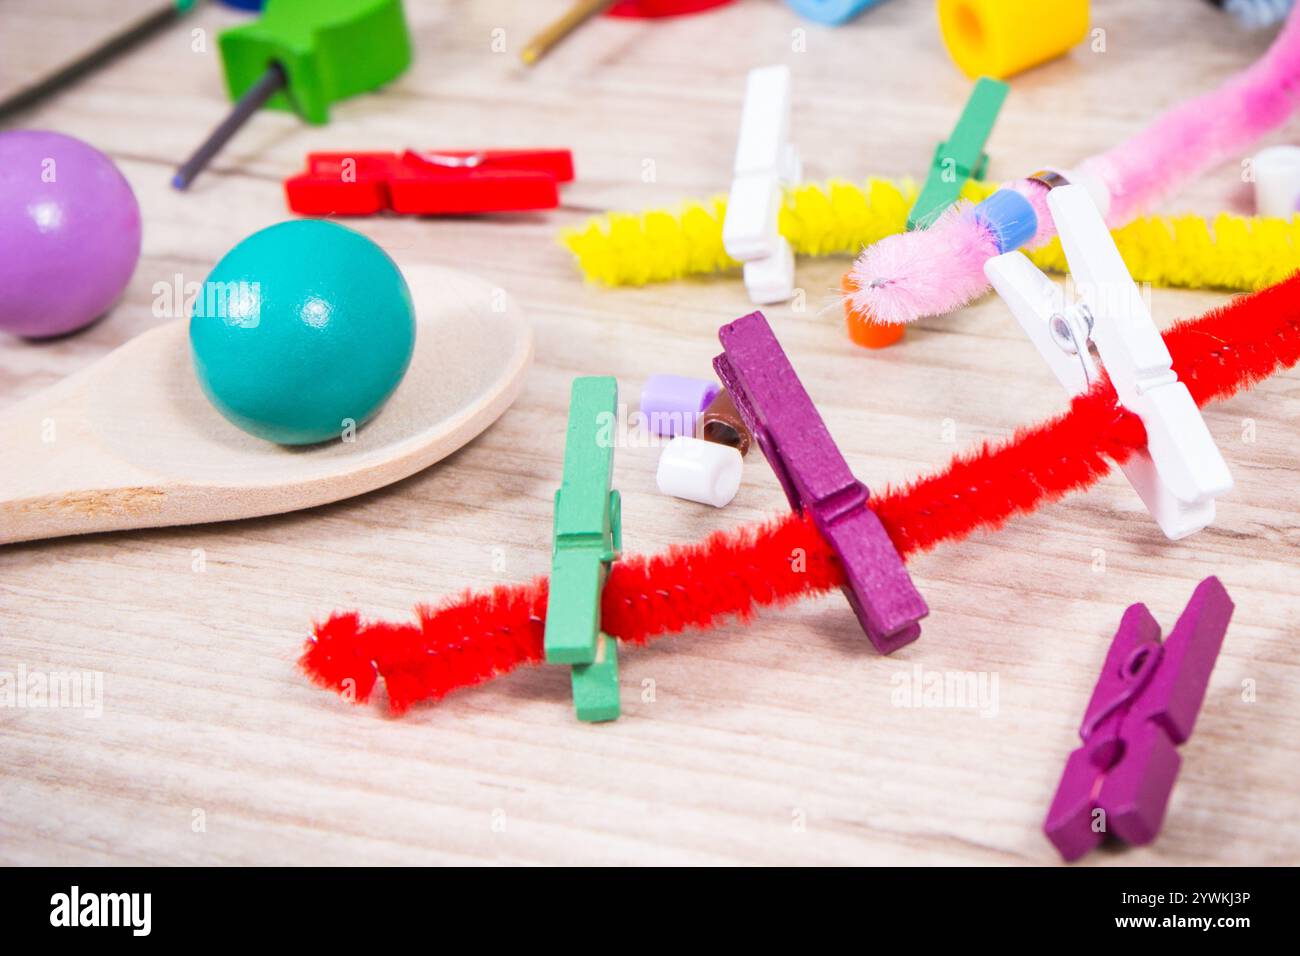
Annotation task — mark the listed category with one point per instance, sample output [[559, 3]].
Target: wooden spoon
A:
[[131, 442]]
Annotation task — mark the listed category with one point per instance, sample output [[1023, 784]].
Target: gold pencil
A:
[[578, 14]]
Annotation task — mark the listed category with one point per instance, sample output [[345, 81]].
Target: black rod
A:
[[113, 47], [254, 98]]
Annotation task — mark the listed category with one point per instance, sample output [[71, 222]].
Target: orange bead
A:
[[873, 335], [863, 329]]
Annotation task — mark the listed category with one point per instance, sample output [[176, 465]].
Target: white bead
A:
[[1277, 181], [699, 470]]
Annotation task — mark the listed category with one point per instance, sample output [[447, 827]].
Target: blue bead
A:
[[302, 331], [1010, 217]]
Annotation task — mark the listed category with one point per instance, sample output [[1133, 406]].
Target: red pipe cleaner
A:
[[478, 636]]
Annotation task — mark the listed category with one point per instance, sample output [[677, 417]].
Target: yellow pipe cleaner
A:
[[1237, 253]]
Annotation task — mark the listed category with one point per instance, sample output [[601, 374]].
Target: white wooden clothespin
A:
[[766, 162], [1181, 471]]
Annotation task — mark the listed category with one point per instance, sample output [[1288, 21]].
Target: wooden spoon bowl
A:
[[131, 442]]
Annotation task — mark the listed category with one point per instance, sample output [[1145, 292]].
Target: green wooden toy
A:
[[588, 536], [303, 56], [329, 50], [961, 156]]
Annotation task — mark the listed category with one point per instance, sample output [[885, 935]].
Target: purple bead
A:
[[69, 233], [672, 403]]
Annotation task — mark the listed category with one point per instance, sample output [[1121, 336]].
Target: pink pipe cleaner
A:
[[936, 270]]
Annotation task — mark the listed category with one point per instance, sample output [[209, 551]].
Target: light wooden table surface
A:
[[767, 742]]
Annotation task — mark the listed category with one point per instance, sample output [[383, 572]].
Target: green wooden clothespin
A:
[[302, 56], [961, 156], [588, 537]]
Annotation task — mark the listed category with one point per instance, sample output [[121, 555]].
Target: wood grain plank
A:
[[769, 742]]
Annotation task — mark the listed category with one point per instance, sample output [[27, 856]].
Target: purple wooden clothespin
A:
[[816, 479], [1144, 705]]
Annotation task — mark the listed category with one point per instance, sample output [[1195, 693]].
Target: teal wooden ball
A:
[[302, 330]]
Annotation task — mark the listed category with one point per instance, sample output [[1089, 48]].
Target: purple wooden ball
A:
[[69, 233]]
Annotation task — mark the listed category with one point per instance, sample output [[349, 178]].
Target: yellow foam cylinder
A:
[[1000, 38]]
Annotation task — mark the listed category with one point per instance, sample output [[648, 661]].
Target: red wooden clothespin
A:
[[433, 183]]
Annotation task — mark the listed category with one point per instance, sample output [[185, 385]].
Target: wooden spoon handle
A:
[[58, 478]]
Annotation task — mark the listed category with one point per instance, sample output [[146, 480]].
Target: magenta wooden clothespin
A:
[[1144, 705], [816, 478]]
